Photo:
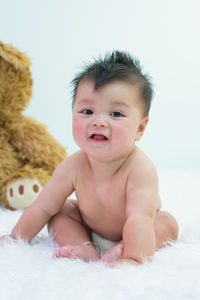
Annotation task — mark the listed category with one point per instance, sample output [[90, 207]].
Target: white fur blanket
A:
[[29, 272]]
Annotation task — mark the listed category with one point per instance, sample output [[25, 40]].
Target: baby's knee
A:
[[69, 211], [173, 227], [168, 224], [53, 223]]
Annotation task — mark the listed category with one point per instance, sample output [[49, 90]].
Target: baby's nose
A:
[[99, 121]]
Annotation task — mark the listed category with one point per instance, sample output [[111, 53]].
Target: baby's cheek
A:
[[77, 129], [120, 135], [123, 138]]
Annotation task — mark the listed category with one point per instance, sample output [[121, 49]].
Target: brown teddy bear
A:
[[28, 153]]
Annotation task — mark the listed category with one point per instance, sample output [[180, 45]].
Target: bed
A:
[[28, 271]]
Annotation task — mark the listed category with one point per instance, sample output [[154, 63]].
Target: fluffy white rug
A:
[[29, 272]]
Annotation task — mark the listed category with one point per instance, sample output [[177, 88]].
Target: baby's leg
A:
[[166, 229], [71, 234], [114, 253]]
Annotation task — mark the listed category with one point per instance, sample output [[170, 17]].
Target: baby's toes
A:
[[56, 254], [83, 252], [62, 252], [67, 251], [113, 254], [119, 251]]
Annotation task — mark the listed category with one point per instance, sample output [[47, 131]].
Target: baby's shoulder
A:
[[141, 166], [76, 160], [72, 164]]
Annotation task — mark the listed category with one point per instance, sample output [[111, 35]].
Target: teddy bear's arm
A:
[[23, 186], [36, 146]]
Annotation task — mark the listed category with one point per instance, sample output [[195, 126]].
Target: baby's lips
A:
[[97, 136]]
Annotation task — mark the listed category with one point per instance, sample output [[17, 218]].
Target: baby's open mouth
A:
[[98, 137]]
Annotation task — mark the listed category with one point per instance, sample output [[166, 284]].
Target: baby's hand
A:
[[123, 260]]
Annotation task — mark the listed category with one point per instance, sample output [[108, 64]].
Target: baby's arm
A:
[[142, 203], [48, 203]]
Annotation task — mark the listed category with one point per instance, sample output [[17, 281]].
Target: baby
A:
[[116, 184]]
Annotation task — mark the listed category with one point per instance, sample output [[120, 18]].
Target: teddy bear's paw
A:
[[22, 192]]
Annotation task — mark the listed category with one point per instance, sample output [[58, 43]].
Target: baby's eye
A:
[[87, 112], [116, 114]]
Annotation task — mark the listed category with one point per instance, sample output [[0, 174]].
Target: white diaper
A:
[[101, 244]]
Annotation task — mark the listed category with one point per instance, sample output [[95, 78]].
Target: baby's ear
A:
[[14, 57], [141, 128]]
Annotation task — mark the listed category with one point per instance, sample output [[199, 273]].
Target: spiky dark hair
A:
[[116, 66]]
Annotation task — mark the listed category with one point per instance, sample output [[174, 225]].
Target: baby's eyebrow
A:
[[119, 103], [84, 101], [114, 103]]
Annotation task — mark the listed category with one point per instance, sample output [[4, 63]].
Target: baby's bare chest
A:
[[103, 205]]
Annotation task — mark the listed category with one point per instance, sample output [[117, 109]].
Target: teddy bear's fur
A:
[[28, 153]]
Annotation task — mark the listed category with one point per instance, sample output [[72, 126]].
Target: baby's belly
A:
[[107, 229]]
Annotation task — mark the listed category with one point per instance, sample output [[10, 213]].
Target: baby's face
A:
[[107, 122]]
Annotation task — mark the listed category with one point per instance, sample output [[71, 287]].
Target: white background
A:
[[60, 35]]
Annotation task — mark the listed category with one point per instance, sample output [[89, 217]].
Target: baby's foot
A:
[[113, 254], [85, 252]]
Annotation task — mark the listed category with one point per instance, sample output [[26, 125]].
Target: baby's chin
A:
[[102, 155]]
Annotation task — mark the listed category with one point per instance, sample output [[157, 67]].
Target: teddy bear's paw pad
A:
[[22, 192]]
